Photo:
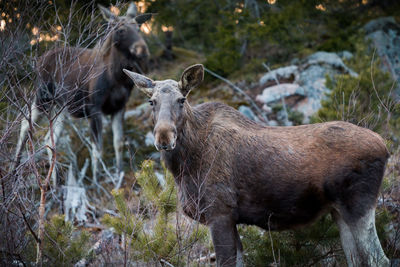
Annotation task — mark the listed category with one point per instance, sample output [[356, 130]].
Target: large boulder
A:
[[289, 72], [277, 92]]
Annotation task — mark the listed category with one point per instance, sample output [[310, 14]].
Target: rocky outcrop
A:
[[384, 34], [290, 72], [308, 88]]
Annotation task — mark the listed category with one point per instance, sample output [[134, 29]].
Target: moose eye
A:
[[121, 31], [181, 101], [152, 102]]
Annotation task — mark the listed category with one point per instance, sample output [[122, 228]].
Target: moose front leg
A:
[[224, 236], [51, 138], [25, 124], [96, 127], [118, 138]]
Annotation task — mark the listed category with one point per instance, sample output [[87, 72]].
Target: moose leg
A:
[[224, 236], [97, 143], [24, 130], [117, 127], [347, 240], [58, 125], [239, 250], [367, 242], [359, 239]]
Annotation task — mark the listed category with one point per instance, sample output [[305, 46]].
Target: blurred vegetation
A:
[[234, 33]]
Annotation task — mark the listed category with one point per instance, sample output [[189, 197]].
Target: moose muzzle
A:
[[165, 136], [139, 49]]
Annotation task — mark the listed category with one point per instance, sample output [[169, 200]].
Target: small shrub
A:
[[64, 245], [169, 237]]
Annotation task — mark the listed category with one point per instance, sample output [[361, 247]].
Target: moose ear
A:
[[107, 14], [191, 78], [145, 84], [132, 10], [143, 18]]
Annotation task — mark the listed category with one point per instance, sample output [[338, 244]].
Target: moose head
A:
[[126, 36], [168, 100]]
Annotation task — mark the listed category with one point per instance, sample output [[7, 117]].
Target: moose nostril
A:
[[163, 146]]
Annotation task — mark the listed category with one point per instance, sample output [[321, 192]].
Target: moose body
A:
[[231, 170], [90, 82]]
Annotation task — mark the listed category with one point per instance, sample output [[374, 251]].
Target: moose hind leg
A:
[[347, 240], [367, 242], [355, 194]]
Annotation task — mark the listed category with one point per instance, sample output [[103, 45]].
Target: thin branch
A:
[[28, 225], [240, 91], [285, 113]]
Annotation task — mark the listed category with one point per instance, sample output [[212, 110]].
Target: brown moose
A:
[[90, 82], [231, 170]]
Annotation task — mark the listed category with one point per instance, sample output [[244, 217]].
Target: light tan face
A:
[[168, 104], [167, 99]]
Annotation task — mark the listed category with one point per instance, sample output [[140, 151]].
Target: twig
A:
[[28, 225], [270, 238], [240, 91], [373, 83], [166, 263]]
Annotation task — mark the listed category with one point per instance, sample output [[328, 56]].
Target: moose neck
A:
[[189, 144], [116, 61]]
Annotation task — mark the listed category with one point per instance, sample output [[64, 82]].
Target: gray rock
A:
[[331, 59], [379, 24], [309, 82], [267, 109], [149, 139], [245, 110], [273, 123], [385, 36], [290, 72], [139, 110], [277, 92], [346, 55]]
